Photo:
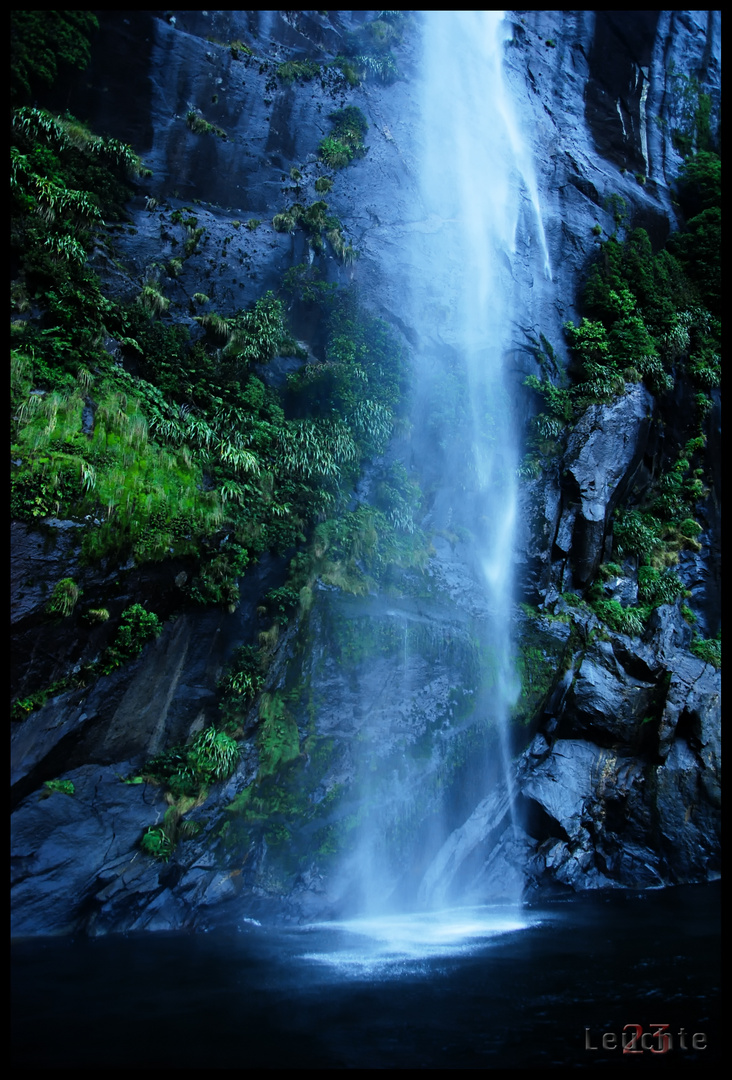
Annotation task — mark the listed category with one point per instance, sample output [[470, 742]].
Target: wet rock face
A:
[[620, 785], [627, 780], [592, 86], [619, 62]]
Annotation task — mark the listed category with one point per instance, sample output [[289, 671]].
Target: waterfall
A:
[[481, 203]]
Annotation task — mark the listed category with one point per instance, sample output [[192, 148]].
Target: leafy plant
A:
[[335, 153], [630, 620], [708, 649], [137, 627], [214, 755], [157, 843], [658, 587], [637, 533], [187, 770], [153, 300], [349, 127], [44, 42], [63, 598]]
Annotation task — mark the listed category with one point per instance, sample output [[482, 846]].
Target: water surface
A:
[[474, 988]]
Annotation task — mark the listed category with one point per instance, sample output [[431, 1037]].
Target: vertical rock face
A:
[[384, 701]]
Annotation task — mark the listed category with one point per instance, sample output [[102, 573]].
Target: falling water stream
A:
[[480, 214]]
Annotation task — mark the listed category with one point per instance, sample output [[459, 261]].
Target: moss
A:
[[65, 787], [303, 70], [200, 126], [278, 739]]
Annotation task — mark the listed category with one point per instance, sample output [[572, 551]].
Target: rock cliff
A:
[[367, 760]]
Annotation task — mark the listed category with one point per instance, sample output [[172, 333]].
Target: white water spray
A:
[[478, 184], [433, 784]]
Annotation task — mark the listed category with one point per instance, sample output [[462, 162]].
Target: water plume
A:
[[434, 790], [478, 183]]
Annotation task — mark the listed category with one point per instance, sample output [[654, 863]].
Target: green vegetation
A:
[[137, 627], [200, 126], [63, 598], [156, 842], [302, 70], [345, 142], [319, 227], [44, 44], [65, 787], [368, 51], [691, 115], [236, 48], [651, 317], [186, 771], [323, 185], [159, 446], [348, 69], [708, 649], [240, 684]]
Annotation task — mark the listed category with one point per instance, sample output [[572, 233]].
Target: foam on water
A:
[[392, 945]]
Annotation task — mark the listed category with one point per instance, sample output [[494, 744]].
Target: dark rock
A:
[[603, 452], [65, 848], [605, 701]]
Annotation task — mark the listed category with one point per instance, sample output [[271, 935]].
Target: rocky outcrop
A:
[[642, 809], [565, 518]]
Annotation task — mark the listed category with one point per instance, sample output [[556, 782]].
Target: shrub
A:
[[43, 41], [708, 649], [347, 69], [690, 528], [201, 126], [281, 603], [334, 153], [350, 125], [298, 69], [244, 677], [137, 627], [656, 587], [637, 533], [213, 755], [153, 300], [97, 615], [157, 843], [63, 598], [629, 620], [186, 770]]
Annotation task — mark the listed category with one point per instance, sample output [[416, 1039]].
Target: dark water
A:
[[478, 988]]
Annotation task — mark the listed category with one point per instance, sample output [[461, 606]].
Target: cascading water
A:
[[479, 193], [478, 214]]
